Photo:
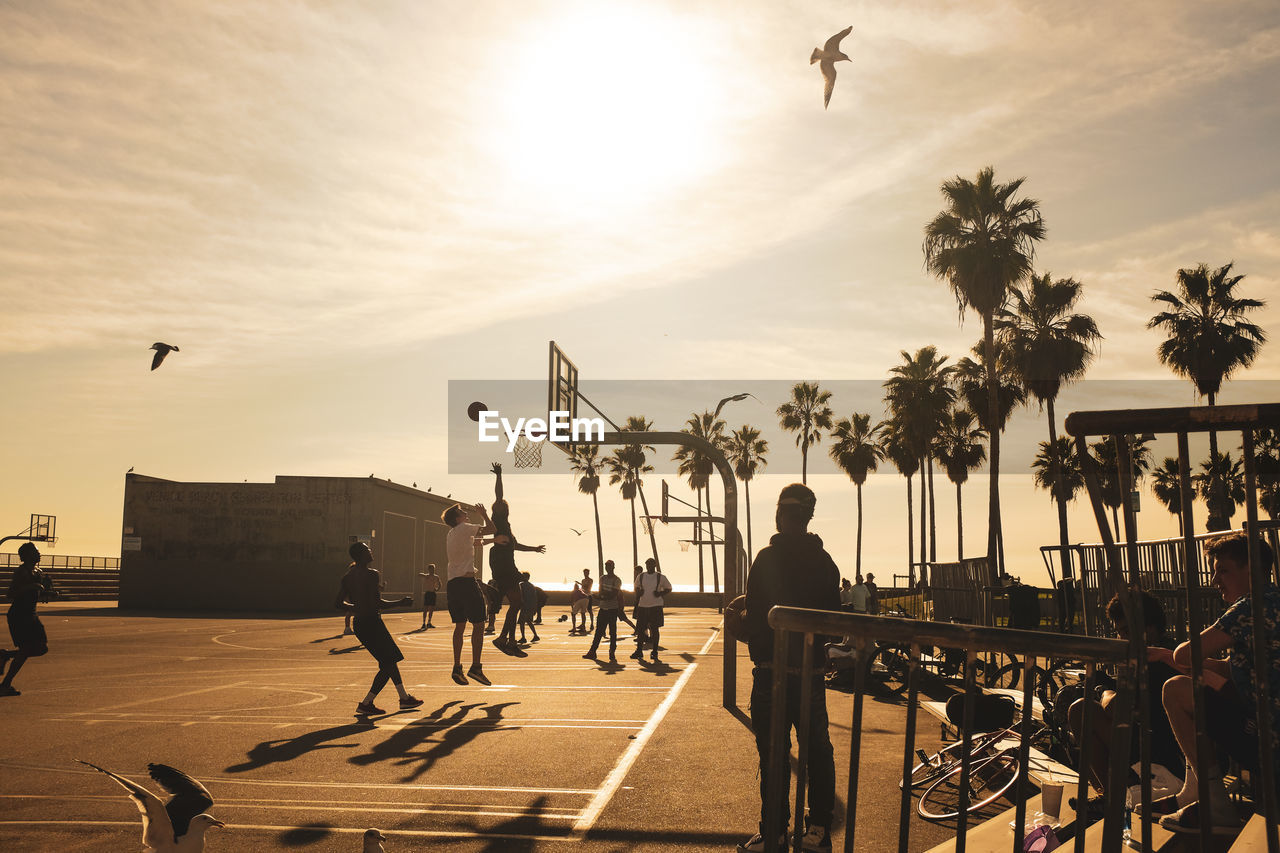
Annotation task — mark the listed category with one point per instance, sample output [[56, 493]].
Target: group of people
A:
[[862, 596], [650, 586], [1230, 703]]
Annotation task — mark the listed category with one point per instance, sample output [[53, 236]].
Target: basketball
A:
[[474, 410]]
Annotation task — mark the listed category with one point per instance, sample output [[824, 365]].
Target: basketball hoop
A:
[[528, 453], [684, 544]]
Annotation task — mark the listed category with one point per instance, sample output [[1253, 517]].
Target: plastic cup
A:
[[1051, 799]]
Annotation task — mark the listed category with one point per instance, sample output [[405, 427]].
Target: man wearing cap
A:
[[795, 571]]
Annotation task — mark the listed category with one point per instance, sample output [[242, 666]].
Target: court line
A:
[[344, 830], [279, 725], [477, 810], [164, 698], [614, 780]]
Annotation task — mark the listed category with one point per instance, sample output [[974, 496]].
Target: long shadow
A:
[[303, 836], [414, 744], [348, 650], [501, 837], [287, 749]]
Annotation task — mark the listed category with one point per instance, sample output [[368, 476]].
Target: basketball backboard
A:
[[562, 389]]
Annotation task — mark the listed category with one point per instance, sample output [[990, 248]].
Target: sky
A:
[[337, 209]]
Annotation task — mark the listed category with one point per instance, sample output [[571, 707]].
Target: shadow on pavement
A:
[[301, 836], [287, 749], [452, 730]]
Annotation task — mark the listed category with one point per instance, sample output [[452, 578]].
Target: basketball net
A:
[[528, 453]]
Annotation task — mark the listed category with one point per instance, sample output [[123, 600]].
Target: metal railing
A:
[[788, 622], [1124, 572]]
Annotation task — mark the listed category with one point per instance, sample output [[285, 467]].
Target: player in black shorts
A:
[[505, 577], [29, 638], [359, 594]]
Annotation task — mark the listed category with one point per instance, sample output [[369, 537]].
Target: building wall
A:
[[278, 546]]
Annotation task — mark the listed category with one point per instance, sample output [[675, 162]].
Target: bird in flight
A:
[[161, 351], [177, 826], [827, 56], [744, 395], [576, 530]]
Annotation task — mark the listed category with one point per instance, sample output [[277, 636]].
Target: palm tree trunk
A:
[[1064, 540], [911, 539], [804, 462], [995, 551], [746, 484], [711, 534], [933, 520], [595, 506], [924, 505], [959, 527], [635, 543], [697, 537], [645, 506], [858, 570]]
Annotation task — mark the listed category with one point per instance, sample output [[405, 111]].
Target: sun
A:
[[610, 107]]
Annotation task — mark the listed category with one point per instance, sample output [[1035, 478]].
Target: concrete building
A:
[[276, 547]]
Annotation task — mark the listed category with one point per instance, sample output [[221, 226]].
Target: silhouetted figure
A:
[[873, 595], [794, 570], [580, 603], [827, 56], [528, 607], [359, 593], [610, 607], [502, 566], [177, 826], [29, 638], [430, 587], [162, 350], [650, 589], [542, 602], [466, 601]]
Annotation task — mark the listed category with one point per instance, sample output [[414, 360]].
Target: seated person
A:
[[1164, 747], [1230, 701]]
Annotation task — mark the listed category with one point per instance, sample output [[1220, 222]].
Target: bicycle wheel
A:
[[989, 778], [990, 663], [930, 767], [889, 666], [1006, 677]]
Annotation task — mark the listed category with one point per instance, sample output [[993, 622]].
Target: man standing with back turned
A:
[[793, 570]]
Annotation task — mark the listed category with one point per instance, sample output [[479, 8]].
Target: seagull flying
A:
[[373, 841], [161, 351], [744, 395], [576, 530], [177, 826], [827, 56]]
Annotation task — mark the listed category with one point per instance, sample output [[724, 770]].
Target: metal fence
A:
[[74, 577], [793, 624]]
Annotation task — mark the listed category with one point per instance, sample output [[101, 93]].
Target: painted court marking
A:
[[614, 780]]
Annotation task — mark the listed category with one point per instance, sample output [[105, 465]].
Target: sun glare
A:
[[610, 107]]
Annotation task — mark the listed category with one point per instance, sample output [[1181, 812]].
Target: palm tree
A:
[[982, 243], [624, 476], [696, 467], [584, 461], [806, 414], [1048, 347], [747, 452], [970, 377], [857, 452], [919, 395], [1266, 461], [1107, 455], [899, 451], [1167, 487], [637, 456], [1057, 470], [959, 449], [1208, 336], [1220, 484]]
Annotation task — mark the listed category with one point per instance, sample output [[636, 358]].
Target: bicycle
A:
[[993, 770]]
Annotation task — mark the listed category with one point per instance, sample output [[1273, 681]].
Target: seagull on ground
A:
[[161, 351], [744, 395], [827, 56], [373, 839], [177, 826]]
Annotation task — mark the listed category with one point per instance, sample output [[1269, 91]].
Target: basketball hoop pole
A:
[[733, 567]]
